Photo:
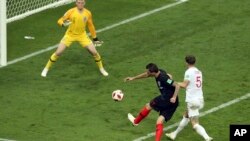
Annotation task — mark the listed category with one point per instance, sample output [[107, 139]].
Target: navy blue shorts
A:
[[164, 107]]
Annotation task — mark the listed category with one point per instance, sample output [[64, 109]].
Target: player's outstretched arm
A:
[[143, 75]]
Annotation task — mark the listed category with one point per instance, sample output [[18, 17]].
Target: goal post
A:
[[13, 10], [3, 34]]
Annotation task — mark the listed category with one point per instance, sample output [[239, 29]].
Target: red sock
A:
[[143, 113], [158, 132]]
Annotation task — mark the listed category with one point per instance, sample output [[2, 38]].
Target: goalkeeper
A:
[[77, 19]]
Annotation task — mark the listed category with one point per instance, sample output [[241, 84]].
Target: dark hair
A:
[[190, 59], [152, 67]]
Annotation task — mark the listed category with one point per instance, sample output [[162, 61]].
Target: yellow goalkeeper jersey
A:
[[79, 22]]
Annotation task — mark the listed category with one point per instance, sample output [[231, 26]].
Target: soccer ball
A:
[[117, 95]]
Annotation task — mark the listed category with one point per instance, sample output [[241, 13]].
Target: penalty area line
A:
[[100, 30], [214, 109]]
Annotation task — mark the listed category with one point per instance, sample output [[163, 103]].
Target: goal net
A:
[[18, 9], [12, 10]]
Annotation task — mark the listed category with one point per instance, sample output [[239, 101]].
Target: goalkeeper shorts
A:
[[83, 39]]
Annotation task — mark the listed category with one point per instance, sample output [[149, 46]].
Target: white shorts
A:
[[194, 106]]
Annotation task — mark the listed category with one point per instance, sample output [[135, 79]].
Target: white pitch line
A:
[[100, 30], [224, 105], [1, 139]]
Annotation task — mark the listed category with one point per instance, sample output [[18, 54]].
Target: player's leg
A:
[[92, 50], [199, 128], [142, 114], [65, 42], [154, 104], [184, 122], [86, 42], [53, 59], [159, 128], [193, 112]]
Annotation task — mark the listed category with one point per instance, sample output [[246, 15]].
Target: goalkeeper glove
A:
[[97, 42], [66, 23]]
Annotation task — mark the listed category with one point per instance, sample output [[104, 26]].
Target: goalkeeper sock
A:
[[98, 60], [143, 113], [158, 132], [51, 61]]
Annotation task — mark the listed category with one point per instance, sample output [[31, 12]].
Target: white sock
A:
[[182, 124], [201, 131]]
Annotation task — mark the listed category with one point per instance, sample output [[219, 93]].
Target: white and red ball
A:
[[117, 95]]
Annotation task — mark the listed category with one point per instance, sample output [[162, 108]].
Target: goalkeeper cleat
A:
[[44, 72], [131, 118], [171, 136], [104, 72]]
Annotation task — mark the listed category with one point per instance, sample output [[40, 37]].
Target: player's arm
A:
[[171, 82], [184, 84], [92, 31], [186, 80], [91, 26], [170, 76], [64, 20], [142, 75], [177, 89]]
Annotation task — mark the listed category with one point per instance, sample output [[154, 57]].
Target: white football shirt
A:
[[194, 88]]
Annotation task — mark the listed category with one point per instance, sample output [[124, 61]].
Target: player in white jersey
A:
[[194, 99]]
